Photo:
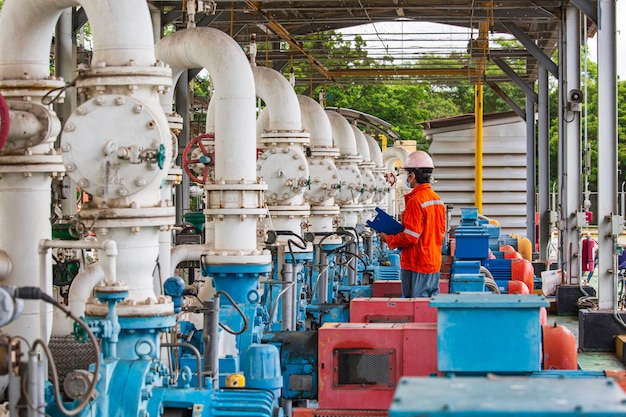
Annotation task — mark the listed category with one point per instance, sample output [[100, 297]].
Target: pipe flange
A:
[[319, 152], [122, 155], [325, 210], [134, 218], [281, 136], [5, 123], [24, 164], [111, 291], [235, 186], [174, 176], [160, 310], [214, 258], [352, 208], [159, 76], [241, 212], [175, 121], [367, 165], [20, 89], [349, 159]]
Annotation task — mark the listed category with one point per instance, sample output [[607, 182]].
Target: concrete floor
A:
[[589, 361]]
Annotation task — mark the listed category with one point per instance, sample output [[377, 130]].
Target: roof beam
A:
[[508, 100], [284, 34], [532, 48], [588, 9], [516, 79], [364, 72]]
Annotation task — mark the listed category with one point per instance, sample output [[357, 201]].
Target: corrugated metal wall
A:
[[504, 167]]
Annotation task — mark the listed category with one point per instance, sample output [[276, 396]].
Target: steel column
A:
[[607, 152], [544, 164], [531, 179], [571, 138]]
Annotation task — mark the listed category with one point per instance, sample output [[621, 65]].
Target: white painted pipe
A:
[[234, 95], [380, 172], [182, 253], [315, 121], [81, 288], [262, 125], [122, 34], [24, 125], [235, 139], [5, 265], [108, 247], [281, 101], [376, 154], [210, 117], [390, 157], [24, 219], [165, 248], [343, 135], [362, 147], [394, 154]]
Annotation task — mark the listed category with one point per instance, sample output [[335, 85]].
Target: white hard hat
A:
[[418, 159]]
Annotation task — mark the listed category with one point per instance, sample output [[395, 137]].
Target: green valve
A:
[[79, 333], [161, 156]]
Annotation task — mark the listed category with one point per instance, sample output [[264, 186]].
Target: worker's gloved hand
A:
[[382, 237]]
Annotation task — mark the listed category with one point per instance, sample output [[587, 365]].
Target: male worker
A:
[[424, 221]]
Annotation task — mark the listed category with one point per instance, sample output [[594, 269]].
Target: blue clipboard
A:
[[384, 223]]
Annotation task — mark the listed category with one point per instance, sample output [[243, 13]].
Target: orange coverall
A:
[[424, 220]]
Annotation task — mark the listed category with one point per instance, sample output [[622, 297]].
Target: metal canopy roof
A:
[[286, 32]]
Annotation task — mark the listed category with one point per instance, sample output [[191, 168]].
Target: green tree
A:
[[589, 121], [401, 106]]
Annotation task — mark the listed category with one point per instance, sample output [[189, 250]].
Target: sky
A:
[[450, 37]]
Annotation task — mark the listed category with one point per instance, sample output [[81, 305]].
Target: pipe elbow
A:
[[315, 121], [43, 246], [391, 155], [376, 154], [361, 144], [110, 247], [281, 100], [342, 134], [183, 253]]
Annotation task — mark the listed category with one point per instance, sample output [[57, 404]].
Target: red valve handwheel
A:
[[390, 178], [197, 153]]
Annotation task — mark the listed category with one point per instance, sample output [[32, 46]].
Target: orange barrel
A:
[[560, 349], [518, 287], [522, 270], [510, 252]]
